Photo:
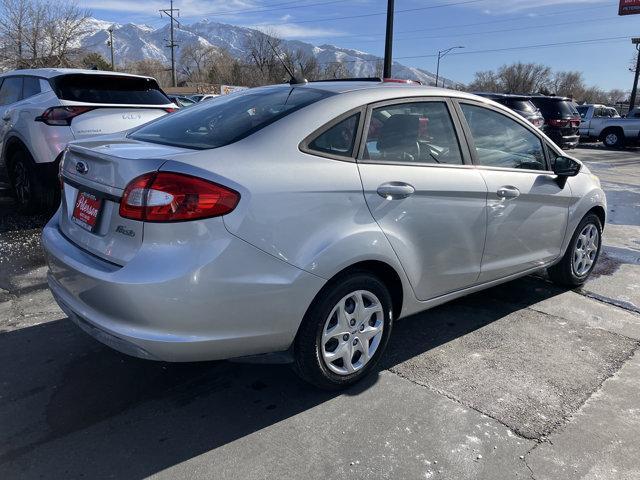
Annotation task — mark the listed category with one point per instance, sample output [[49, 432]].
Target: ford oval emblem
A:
[[82, 167]]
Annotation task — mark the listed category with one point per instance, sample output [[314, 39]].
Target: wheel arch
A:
[[599, 211], [383, 271], [613, 128]]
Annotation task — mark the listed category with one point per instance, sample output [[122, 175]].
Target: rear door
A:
[[527, 210], [424, 193], [115, 103]]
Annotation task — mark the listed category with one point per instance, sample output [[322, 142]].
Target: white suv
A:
[[42, 110]]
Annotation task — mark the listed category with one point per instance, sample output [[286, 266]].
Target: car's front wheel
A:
[[581, 255], [345, 331]]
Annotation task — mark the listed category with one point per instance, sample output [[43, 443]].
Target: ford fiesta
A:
[[307, 218]]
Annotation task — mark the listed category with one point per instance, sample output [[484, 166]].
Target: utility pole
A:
[[110, 44], [388, 44], [634, 91], [169, 12]]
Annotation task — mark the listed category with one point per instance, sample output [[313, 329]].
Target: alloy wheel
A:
[[352, 332], [586, 249], [611, 139]]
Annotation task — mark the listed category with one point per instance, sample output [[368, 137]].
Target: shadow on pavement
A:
[[68, 404]]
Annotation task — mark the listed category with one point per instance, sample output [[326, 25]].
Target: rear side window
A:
[[108, 89], [11, 90], [501, 141], [31, 87], [339, 139], [420, 132], [521, 105], [227, 120]]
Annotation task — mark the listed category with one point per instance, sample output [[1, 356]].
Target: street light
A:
[[442, 53]]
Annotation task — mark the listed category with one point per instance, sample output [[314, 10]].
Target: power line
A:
[[494, 50], [270, 9], [489, 22], [365, 15], [504, 30]]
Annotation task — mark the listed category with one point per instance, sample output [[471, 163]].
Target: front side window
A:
[[420, 132], [11, 90], [339, 139], [503, 142], [214, 124]]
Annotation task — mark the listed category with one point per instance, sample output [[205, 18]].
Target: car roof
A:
[[551, 98], [56, 72], [510, 96], [386, 89]]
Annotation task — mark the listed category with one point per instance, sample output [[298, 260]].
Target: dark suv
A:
[[561, 120], [521, 104]]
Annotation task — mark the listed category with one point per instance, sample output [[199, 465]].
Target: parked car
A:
[[44, 109], [182, 101], [203, 96], [613, 132], [561, 120], [306, 219], [521, 104], [592, 117]]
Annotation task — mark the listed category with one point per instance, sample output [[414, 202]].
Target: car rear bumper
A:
[[234, 300]]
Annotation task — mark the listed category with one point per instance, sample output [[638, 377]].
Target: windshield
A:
[[227, 120], [554, 108]]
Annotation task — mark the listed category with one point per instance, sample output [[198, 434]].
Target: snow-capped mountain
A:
[[133, 42]]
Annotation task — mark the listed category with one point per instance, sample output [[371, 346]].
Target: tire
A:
[[567, 272], [311, 352], [613, 138], [33, 193]]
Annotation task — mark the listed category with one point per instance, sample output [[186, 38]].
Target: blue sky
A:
[[502, 26]]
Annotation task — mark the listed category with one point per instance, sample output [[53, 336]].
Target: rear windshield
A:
[[582, 111], [108, 89], [552, 108], [226, 120], [520, 105]]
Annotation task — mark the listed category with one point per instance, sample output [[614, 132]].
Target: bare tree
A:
[[37, 33], [485, 81], [335, 70], [524, 77], [567, 84], [196, 61]]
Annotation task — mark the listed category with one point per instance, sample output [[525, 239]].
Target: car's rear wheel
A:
[[581, 255], [345, 331], [613, 138], [33, 193]]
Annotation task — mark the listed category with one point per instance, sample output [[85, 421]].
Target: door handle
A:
[[395, 190], [508, 192]]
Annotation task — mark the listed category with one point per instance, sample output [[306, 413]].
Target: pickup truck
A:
[[599, 123]]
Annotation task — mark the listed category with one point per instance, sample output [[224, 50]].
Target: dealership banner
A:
[[629, 7]]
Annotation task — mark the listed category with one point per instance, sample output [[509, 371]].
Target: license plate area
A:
[[87, 210]]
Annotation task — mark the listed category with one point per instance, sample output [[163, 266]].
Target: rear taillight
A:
[[61, 116], [555, 122], [170, 110], [175, 197]]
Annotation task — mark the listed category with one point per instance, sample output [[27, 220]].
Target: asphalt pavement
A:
[[524, 380]]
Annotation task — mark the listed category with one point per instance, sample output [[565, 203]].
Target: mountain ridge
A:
[[134, 42]]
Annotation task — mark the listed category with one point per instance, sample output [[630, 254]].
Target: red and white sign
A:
[[629, 7], [87, 210]]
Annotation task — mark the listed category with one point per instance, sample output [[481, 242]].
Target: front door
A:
[[527, 209], [427, 198]]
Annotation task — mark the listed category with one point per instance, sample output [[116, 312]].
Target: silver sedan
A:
[[306, 219]]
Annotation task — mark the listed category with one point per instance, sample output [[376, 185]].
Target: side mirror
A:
[[565, 167]]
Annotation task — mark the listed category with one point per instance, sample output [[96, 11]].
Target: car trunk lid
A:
[[94, 176]]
